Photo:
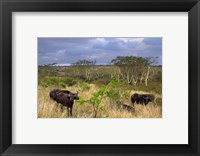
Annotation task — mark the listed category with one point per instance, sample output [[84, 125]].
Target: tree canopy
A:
[[50, 64], [133, 60], [85, 62]]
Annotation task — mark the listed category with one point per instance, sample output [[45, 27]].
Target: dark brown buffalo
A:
[[64, 97], [142, 98], [53, 94], [67, 100]]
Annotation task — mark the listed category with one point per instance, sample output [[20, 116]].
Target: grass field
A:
[[110, 106]]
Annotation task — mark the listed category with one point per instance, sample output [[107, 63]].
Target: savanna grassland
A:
[[102, 89]]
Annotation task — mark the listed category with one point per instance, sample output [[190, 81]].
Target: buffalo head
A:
[[73, 96]]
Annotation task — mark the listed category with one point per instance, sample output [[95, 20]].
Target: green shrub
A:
[[159, 101], [70, 81], [53, 81], [49, 81], [57, 82], [62, 84], [95, 100], [114, 93], [81, 101]]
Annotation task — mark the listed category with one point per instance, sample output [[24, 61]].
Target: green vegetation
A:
[[103, 88], [100, 75]]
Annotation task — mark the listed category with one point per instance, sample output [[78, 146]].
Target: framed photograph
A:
[[99, 77]]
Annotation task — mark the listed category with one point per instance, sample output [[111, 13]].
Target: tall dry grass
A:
[[48, 108]]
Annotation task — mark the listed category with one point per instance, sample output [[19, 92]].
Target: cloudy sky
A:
[[103, 50]]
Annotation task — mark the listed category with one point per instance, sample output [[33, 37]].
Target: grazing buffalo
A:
[[53, 94], [64, 97], [142, 98]]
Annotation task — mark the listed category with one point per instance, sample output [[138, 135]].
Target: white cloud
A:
[[97, 55], [132, 39]]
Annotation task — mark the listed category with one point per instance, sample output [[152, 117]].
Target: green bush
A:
[[95, 100], [70, 81], [114, 92], [50, 81], [159, 101], [57, 82], [53, 81], [62, 84]]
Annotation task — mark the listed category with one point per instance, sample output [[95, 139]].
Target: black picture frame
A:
[[9, 6]]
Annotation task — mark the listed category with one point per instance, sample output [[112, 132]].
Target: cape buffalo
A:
[[64, 97], [142, 98], [53, 94], [67, 100]]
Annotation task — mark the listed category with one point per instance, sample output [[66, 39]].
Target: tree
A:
[[86, 66], [151, 61], [95, 100], [133, 68], [50, 64]]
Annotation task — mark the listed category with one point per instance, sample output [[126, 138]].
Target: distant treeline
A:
[[131, 69]]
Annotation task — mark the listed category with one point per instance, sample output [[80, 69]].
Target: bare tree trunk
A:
[[147, 76], [88, 74], [142, 77], [134, 80], [128, 79], [97, 74], [118, 74]]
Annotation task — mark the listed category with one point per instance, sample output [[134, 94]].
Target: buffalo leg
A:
[[145, 101], [71, 111], [68, 111]]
